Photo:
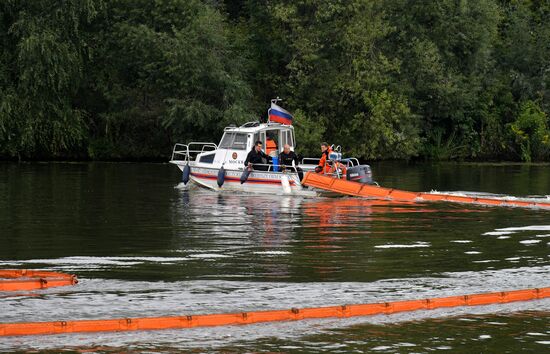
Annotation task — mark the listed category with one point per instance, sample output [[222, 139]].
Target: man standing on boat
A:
[[257, 156]]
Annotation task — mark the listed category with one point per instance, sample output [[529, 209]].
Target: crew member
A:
[[339, 167], [287, 157], [257, 156], [270, 146], [324, 166]]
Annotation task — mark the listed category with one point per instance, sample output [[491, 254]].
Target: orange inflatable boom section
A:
[[155, 323], [23, 279], [364, 190]]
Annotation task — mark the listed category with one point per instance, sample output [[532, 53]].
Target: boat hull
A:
[[257, 182]]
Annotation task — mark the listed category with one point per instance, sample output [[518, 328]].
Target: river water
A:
[[142, 247]]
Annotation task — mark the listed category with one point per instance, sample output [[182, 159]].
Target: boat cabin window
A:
[[259, 136], [278, 137], [234, 141], [271, 145], [286, 138]]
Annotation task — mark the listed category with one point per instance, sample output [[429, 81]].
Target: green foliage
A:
[[531, 132], [125, 79], [445, 49], [387, 128], [309, 133], [439, 150], [169, 71], [43, 57], [338, 72]]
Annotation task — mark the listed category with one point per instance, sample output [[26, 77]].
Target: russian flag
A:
[[279, 115]]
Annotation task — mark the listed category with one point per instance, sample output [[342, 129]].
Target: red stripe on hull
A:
[[234, 179]]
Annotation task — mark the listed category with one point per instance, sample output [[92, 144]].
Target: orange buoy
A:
[[24, 279], [294, 314], [368, 191]]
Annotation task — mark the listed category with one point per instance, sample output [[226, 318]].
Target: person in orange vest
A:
[[323, 166], [337, 165], [270, 146]]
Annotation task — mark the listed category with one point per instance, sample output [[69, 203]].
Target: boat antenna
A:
[[275, 100]]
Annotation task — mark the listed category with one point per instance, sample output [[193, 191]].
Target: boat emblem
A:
[[234, 156]]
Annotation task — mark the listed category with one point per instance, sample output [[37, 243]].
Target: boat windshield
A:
[[234, 141]]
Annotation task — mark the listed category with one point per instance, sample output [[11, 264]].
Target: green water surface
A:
[[143, 246]]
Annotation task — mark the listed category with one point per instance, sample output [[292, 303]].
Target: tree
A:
[[165, 71], [42, 60], [339, 75], [445, 48], [531, 131]]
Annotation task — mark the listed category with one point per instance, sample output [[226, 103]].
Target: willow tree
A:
[[42, 67]]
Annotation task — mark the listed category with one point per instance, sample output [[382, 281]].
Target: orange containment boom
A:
[[294, 314], [23, 279], [364, 190]]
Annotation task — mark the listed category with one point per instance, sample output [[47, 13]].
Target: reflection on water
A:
[[142, 247]]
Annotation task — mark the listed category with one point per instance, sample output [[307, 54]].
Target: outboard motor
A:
[[361, 174], [221, 176], [186, 173]]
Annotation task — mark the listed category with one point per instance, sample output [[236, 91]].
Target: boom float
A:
[[23, 279], [369, 191], [294, 314]]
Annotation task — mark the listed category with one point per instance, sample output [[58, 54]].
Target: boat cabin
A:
[[236, 142]]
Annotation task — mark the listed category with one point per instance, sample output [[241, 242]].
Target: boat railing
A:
[[186, 152], [351, 161], [271, 168], [348, 161], [310, 161]]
